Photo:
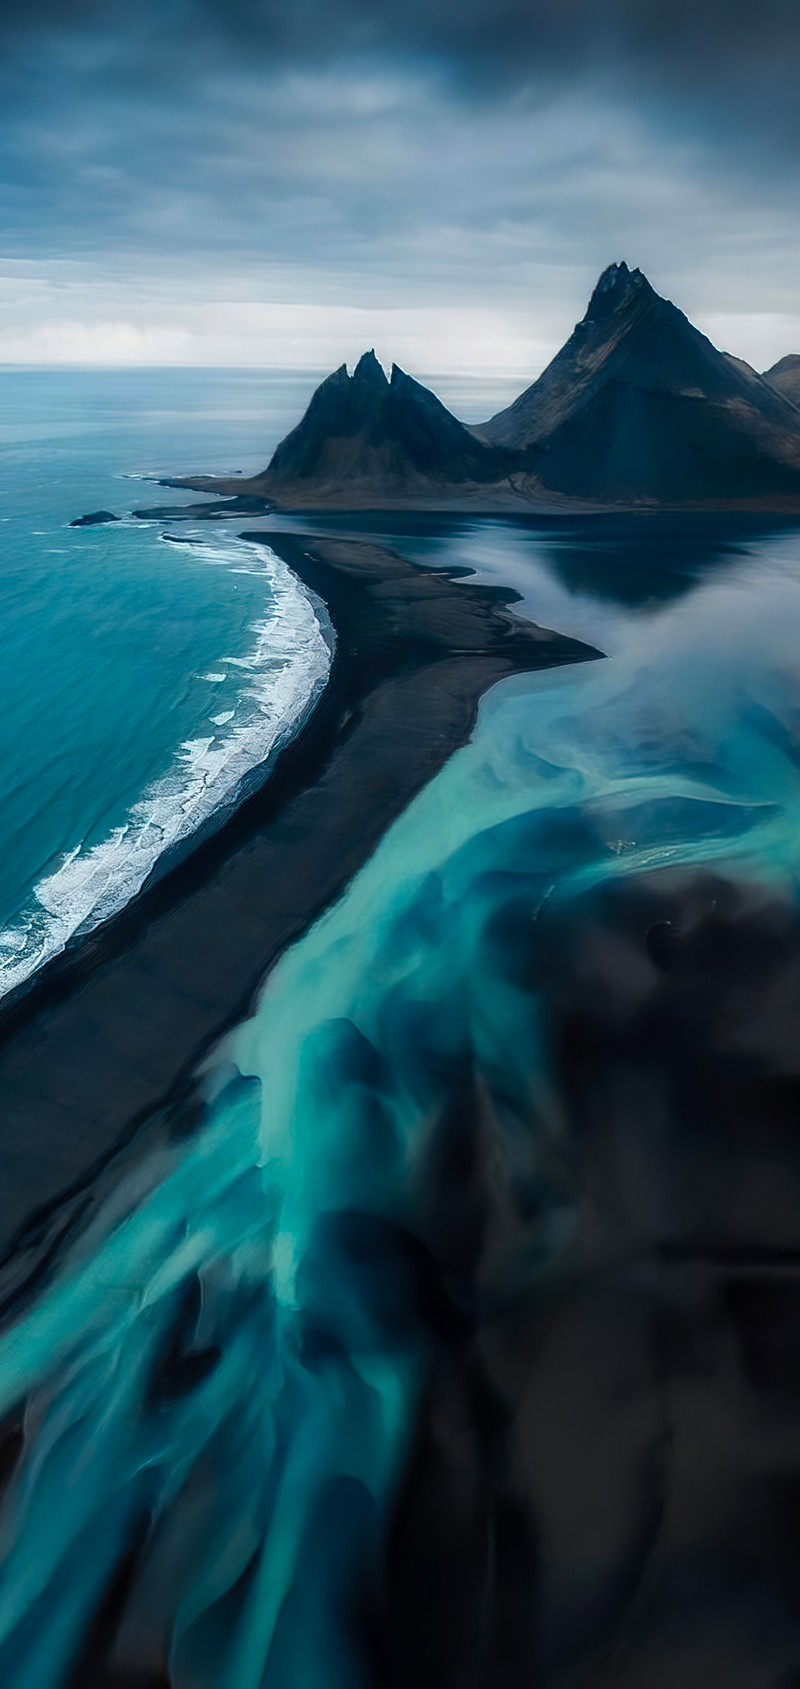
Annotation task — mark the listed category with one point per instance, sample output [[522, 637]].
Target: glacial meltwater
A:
[[210, 1402]]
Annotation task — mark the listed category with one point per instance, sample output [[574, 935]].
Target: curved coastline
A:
[[280, 677], [110, 1032]]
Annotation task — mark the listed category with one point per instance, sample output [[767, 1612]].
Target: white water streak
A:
[[283, 675]]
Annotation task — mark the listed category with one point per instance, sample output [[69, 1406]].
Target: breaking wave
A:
[[282, 677]]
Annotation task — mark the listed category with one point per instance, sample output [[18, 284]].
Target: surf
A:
[[282, 673]]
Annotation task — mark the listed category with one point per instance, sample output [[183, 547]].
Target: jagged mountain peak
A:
[[615, 287], [638, 408], [401, 380], [370, 370], [388, 433], [784, 377], [613, 274], [639, 405], [784, 365]]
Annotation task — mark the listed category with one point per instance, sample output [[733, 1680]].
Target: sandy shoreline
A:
[[112, 1029], [505, 500]]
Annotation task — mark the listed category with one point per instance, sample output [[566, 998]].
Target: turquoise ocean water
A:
[[265, 1240], [141, 679]]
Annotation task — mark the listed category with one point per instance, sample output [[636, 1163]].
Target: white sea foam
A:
[[282, 677]]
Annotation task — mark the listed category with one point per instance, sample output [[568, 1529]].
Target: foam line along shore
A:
[[114, 1026], [275, 682]]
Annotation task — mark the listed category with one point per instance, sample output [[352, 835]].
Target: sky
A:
[[283, 183]]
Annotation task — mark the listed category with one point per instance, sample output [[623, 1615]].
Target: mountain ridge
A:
[[639, 404], [638, 410], [784, 376], [367, 428]]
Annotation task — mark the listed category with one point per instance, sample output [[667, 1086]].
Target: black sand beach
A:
[[111, 1031]]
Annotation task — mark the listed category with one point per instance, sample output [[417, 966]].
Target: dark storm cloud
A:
[[392, 151], [487, 41], [728, 48]]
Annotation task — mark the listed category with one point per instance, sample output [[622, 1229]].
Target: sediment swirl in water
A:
[[409, 1202]]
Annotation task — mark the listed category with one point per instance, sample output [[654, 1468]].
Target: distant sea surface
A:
[[142, 680]]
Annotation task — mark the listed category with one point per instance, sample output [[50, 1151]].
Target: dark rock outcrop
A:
[[640, 407], [391, 438], [637, 410], [785, 377], [94, 519]]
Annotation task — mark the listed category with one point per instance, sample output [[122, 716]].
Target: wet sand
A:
[[110, 1032]]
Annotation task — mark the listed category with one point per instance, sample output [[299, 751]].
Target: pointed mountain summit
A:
[[639, 407], [364, 436], [785, 377], [637, 411]]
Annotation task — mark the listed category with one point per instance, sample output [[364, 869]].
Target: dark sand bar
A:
[[111, 1031]]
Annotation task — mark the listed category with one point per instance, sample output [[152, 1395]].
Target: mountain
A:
[[366, 437], [637, 410], [785, 377], [639, 407]]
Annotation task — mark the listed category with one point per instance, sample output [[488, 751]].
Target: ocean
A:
[[143, 680], [270, 1240]]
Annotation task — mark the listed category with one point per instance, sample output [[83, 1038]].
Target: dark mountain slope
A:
[[640, 407], [364, 434], [785, 377]]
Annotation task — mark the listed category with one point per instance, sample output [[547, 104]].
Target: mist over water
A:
[[304, 1366]]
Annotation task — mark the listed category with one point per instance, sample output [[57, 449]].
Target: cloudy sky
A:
[[282, 182]]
